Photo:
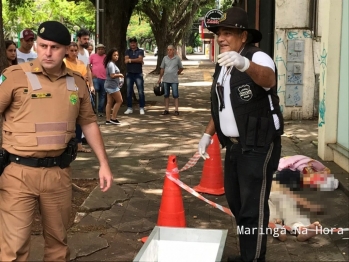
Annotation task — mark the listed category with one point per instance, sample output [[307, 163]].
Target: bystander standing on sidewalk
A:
[[112, 86], [83, 38], [171, 67], [99, 76], [11, 54], [72, 62], [90, 49], [24, 52], [134, 62]]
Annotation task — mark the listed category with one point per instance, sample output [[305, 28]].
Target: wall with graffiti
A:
[[294, 58]]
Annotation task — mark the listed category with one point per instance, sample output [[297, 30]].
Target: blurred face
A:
[[90, 49], [230, 39], [73, 52], [84, 41], [11, 52], [115, 56], [50, 55], [133, 45], [100, 50], [170, 51], [27, 44]]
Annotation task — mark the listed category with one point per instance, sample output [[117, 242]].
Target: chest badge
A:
[[245, 92], [73, 98]]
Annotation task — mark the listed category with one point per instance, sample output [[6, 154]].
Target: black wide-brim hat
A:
[[236, 17]]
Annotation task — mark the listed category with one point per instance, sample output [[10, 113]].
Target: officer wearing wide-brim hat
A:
[[245, 114], [41, 101]]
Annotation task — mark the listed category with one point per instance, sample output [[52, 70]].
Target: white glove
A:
[[203, 144], [232, 58]]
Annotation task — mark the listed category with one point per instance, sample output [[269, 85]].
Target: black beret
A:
[[54, 31]]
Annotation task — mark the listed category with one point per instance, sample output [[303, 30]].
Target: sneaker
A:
[[165, 112], [115, 121], [141, 111], [112, 122], [128, 111], [176, 113]]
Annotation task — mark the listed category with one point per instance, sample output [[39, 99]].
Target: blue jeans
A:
[[174, 86], [132, 78], [98, 84]]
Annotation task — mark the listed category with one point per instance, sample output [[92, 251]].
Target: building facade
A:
[[311, 54]]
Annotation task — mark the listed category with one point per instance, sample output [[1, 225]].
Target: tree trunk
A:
[[117, 15], [183, 48], [168, 26], [3, 57]]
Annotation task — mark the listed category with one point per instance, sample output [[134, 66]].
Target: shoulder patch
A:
[[2, 79]]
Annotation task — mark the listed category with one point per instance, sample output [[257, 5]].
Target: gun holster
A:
[[69, 153], [4, 160]]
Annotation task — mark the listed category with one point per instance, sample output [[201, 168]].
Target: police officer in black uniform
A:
[[246, 116]]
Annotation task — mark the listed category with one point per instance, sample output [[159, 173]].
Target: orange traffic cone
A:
[[212, 174], [171, 212]]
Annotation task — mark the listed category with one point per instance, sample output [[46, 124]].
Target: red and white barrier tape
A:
[[192, 162], [194, 193]]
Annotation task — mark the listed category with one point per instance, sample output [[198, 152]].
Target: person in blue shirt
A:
[[134, 62]]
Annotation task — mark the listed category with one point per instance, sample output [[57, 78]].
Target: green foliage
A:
[[139, 28], [189, 49], [20, 14], [197, 41], [13, 4], [225, 4]]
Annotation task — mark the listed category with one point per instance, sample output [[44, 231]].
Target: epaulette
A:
[[78, 74], [11, 69], [71, 72]]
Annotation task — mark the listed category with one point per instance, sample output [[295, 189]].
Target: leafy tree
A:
[[3, 59], [139, 28], [31, 13], [19, 14], [169, 20], [118, 14]]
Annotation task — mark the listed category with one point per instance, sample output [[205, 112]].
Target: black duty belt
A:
[[234, 140], [35, 162]]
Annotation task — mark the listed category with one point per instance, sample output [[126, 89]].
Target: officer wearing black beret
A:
[[42, 100], [54, 31]]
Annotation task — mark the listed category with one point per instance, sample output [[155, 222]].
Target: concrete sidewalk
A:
[[111, 224]]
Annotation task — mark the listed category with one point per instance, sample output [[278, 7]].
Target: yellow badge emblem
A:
[[73, 98], [41, 95], [224, 16], [36, 69], [42, 30]]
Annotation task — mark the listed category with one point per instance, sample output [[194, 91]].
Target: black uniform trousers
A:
[[247, 181]]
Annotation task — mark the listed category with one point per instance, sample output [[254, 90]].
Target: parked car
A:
[[156, 51]]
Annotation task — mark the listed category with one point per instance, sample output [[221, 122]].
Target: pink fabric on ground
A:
[[299, 162]]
